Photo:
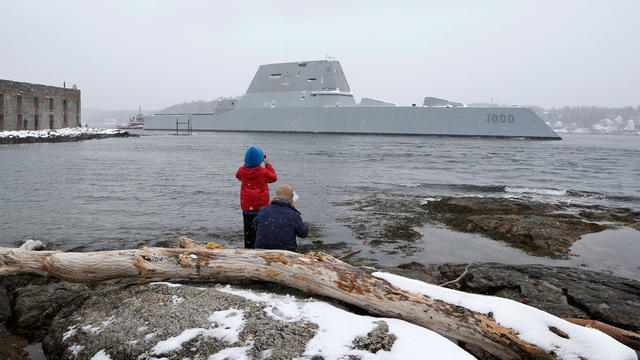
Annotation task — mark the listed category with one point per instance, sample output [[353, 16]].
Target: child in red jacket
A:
[[254, 191]]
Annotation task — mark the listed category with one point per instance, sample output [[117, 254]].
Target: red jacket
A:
[[254, 191]]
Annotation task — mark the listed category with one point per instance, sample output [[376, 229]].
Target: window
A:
[[1, 100], [50, 121], [35, 101], [19, 122], [36, 120], [64, 104], [50, 104], [26, 123], [1, 121], [19, 99]]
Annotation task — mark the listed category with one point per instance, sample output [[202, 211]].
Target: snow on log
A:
[[506, 329]]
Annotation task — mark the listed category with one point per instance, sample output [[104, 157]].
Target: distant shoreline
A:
[[60, 135]]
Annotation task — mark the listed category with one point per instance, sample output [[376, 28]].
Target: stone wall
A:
[[25, 106]]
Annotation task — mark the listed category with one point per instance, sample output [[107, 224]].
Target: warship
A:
[[315, 97]]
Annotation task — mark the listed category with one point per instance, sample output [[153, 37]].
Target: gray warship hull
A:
[[468, 121], [329, 107]]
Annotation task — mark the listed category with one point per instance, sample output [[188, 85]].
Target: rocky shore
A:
[[60, 135], [196, 319], [538, 228], [127, 319]]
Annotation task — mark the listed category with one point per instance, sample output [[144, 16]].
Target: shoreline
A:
[[44, 311], [60, 135]]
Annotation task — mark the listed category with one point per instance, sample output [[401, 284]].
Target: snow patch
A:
[[175, 342], [337, 329], [230, 323], [165, 283], [101, 355], [531, 324], [176, 300], [53, 133], [266, 354], [75, 349], [234, 353], [98, 329], [72, 330]]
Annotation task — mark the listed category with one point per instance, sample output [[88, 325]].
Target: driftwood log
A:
[[314, 273], [629, 338]]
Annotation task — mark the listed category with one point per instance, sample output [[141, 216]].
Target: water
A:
[[124, 193]]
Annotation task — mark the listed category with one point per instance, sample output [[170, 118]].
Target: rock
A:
[[540, 229], [8, 286], [488, 205], [562, 291], [36, 305], [5, 305], [131, 321], [32, 245], [376, 340], [12, 346], [539, 235]]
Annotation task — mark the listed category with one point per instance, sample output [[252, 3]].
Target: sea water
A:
[[149, 190]]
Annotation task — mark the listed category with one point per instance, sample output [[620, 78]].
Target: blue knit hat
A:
[[254, 157]]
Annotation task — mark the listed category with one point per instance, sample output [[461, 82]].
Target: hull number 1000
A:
[[500, 118]]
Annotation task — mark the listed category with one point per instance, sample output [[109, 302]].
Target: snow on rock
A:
[[175, 342], [230, 323], [75, 349], [101, 355], [57, 135], [337, 329], [532, 325], [66, 132], [234, 353], [72, 330], [97, 329], [165, 283]]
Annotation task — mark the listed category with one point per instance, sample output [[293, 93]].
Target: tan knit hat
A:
[[285, 192]]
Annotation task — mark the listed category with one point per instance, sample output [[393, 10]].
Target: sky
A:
[[125, 54]]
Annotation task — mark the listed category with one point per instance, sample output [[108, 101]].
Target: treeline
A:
[[200, 106], [587, 116]]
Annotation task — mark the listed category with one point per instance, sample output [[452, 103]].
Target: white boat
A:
[[136, 122]]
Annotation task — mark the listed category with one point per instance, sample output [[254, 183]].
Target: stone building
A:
[[25, 106]]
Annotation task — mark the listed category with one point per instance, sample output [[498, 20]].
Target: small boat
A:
[[136, 122]]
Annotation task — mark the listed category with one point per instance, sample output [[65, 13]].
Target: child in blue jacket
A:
[[278, 224]]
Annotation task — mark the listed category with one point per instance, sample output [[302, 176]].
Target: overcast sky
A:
[[122, 54]]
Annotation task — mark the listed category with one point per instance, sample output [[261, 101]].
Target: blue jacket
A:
[[277, 226]]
